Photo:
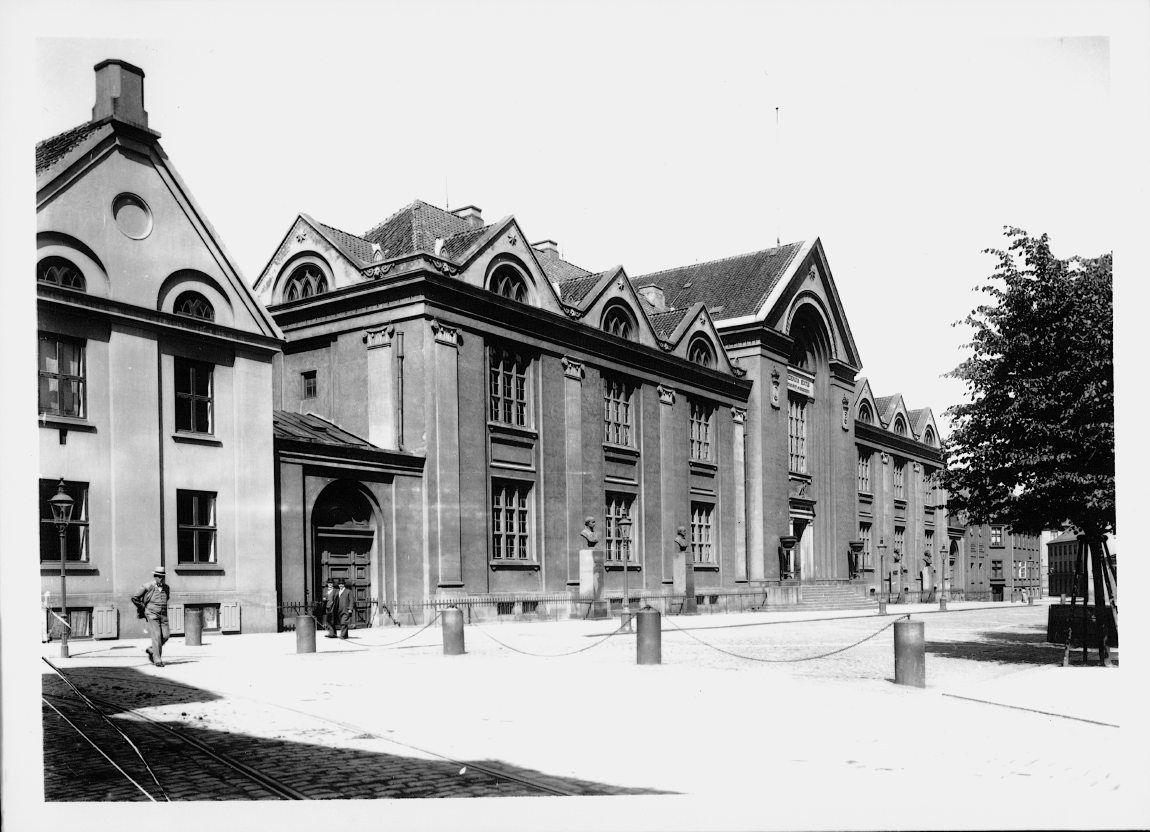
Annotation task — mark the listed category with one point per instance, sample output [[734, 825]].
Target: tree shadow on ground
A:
[[74, 771], [1025, 646]]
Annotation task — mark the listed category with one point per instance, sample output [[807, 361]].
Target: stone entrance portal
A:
[[344, 527]]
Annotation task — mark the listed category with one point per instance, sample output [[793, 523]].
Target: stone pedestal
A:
[[592, 577], [684, 573]]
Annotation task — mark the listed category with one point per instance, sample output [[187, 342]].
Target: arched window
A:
[[928, 435], [507, 282], [900, 425], [60, 272], [617, 321], [699, 352], [866, 414], [194, 305], [305, 282]]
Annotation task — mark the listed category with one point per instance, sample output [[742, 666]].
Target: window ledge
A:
[[196, 439], [866, 497], [899, 503], [530, 565], [512, 430], [704, 465], [799, 476], [199, 568], [54, 422], [615, 566], [48, 567], [706, 567], [626, 450]]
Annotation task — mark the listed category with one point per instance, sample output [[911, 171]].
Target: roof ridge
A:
[[719, 259], [389, 218]]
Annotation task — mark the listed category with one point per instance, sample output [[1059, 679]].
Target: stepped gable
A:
[[731, 287], [53, 149], [415, 227]]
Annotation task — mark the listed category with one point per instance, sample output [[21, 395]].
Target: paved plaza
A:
[[735, 716]]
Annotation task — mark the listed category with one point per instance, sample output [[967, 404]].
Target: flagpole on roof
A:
[[778, 197]]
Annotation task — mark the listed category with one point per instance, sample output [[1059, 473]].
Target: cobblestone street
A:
[[373, 717]]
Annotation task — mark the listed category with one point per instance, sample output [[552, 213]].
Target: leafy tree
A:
[[1034, 445]]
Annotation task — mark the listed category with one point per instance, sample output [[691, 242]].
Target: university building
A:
[[155, 380]]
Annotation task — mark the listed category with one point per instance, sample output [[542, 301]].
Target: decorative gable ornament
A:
[[512, 239], [300, 238], [813, 274]]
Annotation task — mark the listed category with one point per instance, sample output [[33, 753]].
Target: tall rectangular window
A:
[[617, 428], [194, 396], [76, 535], [702, 417], [996, 570], [797, 433], [864, 536], [929, 536], [900, 540], [617, 534], [510, 520], [702, 550], [507, 374], [900, 479], [864, 471], [195, 526], [996, 535], [61, 367], [308, 382]]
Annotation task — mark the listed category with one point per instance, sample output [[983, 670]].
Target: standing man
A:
[[328, 604], [342, 611], [152, 605]]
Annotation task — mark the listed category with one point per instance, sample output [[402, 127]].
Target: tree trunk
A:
[[1100, 603]]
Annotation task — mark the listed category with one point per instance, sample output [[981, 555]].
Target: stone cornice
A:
[[903, 446], [758, 334], [108, 310], [456, 303], [309, 453]]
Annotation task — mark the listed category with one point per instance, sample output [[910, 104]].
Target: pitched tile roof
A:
[[415, 227], [458, 245], [918, 420], [664, 323], [886, 406], [729, 288], [53, 149], [356, 248], [556, 268], [574, 290], [1065, 537], [307, 427]]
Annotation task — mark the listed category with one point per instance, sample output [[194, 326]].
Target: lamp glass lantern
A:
[[624, 527]]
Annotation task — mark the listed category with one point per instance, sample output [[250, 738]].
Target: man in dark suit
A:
[[343, 608], [327, 606]]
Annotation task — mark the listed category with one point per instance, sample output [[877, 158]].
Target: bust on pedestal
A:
[[684, 573], [591, 571]]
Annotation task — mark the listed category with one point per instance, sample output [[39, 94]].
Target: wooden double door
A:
[[345, 555]]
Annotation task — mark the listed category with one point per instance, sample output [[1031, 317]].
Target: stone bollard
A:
[[304, 634], [881, 604], [649, 642], [942, 602], [193, 627], [909, 653], [452, 622]]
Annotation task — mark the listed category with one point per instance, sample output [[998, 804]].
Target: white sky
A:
[[645, 135]]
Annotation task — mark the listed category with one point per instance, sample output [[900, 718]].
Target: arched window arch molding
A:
[[501, 261], [55, 244], [930, 436], [700, 342], [304, 258], [900, 420], [615, 312], [333, 488], [190, 280], [810, 299], [866, 412]]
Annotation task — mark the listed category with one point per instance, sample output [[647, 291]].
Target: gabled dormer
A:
[[313, 258], [865, 409], [498, 258], [609, 302], [924, 427]]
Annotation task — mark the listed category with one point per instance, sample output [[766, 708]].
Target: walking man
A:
[[342, 611], [328, 603], [152, 605]]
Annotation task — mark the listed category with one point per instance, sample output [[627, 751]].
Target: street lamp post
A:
[[944, 595], [61, 505], [881, 575], [624, 527]]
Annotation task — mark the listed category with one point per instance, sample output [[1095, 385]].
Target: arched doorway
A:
[[343, 533]]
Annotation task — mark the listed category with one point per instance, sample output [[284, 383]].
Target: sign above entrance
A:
[[800, 384]]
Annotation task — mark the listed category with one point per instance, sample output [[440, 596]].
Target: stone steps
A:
[[833, 597]]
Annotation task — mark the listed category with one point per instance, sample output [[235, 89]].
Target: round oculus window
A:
[[132, 216]]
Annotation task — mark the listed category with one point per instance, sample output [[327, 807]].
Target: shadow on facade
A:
[[74, 771], [1024, 646]]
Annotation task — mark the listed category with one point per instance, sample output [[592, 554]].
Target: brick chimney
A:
[[550, 248], [120, 92], [473, 215]]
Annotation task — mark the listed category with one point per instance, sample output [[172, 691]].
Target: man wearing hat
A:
[[152, 605]]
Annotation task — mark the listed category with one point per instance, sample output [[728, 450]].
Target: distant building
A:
[[1001, 565], [155, 381], [1063, 557]]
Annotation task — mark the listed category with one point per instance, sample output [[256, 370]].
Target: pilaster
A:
[[573, 373], [381, 399], [445, 444]]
